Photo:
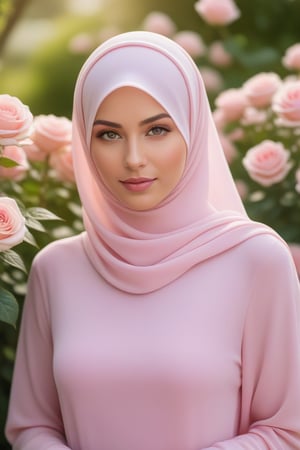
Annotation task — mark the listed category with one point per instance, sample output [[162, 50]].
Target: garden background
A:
[[42, 47]]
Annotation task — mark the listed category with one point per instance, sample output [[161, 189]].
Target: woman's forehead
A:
[[146, 69]]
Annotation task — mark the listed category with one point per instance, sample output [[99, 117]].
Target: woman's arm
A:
[[34, 420], [270, 397]]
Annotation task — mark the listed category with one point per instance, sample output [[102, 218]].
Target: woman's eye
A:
[[158, 131], [109, 135]]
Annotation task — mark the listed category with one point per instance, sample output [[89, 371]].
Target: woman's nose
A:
[[134, 154]]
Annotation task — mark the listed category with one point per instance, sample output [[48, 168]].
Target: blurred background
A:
[[44, 43]]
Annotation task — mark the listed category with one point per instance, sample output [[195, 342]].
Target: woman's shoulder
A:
[[60, 251], [266, 250]]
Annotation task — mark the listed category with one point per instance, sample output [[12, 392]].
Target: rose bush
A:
[[35, 157], [265, 135]]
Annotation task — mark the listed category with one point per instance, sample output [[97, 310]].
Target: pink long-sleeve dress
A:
[[216, 367]]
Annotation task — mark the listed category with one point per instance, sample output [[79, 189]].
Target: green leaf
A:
[[41, 214], [7, 162], [35, 224], [29, 238], [13, 259], [9, 308]]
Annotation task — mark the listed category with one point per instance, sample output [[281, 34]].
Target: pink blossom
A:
[[260, 88], [51, 132], [267, 163], [18, 155], [291, 58], [286, 103], [191, 42], [253, 116], [212, 79], [218, 55], [237, 134], [62, 162], [159, 22], [33, 152], [217, 12], [15, 119], [232, 102], [12, 224]]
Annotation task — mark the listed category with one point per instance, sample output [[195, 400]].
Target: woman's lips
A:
[[137, 184]]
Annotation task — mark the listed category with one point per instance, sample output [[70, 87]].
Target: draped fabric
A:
[[141, 251]]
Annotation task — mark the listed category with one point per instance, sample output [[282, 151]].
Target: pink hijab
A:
[[141, 251]]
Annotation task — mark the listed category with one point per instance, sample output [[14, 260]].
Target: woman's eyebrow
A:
[[154, 118], [143, 122], [108, 123]]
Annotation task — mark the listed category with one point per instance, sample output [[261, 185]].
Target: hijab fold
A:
[[142, 251]]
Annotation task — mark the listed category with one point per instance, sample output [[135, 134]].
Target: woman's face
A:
[[137, 149]]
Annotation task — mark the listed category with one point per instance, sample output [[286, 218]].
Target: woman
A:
[[172, 322]]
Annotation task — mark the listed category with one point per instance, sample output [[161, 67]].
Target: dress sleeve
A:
[[270, 397], [34, 421]]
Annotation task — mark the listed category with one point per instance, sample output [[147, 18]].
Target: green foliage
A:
[[9, 307]]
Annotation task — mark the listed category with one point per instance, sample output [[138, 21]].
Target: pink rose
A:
[[260, 89], [62, 162], [217, 12], [18, 155], [15, 119], [12, 224], [191, 42], [286, 103], [212, 79], [267, 163], [233, 103], [291, 59], [218, 55], [51, 132], [253, 116], [159, 22], [33, 152]]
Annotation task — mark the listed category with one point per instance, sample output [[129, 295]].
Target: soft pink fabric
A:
[[139, 251], [210, 361]]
